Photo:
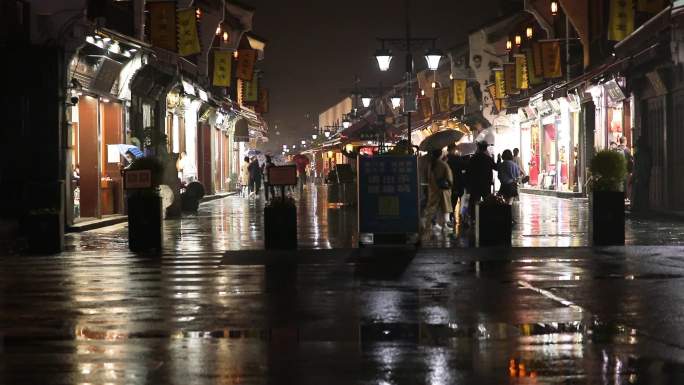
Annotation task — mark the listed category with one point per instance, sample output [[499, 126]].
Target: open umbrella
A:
[[253, 152], [486, 135], [440, 139], [124, 148]]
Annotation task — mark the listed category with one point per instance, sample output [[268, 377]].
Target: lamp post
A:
[[408, 44]]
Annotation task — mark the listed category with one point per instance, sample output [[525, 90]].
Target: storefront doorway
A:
[[96, 183]]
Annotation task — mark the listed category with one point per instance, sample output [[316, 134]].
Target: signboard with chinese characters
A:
[[245, 64], [223, 61], [188, 40], [551, 59], [459, 93], [282, 175], [137, 179], [388, 195]]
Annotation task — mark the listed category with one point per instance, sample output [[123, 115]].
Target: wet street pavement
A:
[[215, 309], [236, 223]]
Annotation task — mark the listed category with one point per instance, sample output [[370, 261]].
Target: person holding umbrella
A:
[[302, 162], [440, 182]]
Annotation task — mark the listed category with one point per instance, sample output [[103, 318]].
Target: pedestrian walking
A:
[[440, 181], [244, 178], [458, 165], [517, 160], [255, 177], [629, 161], [479, 176], [268, 189], [508, 173]]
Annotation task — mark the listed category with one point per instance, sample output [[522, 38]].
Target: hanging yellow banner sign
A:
[[621, 21], [509, 79], [459, 92], [250, 91], [223, 61], [532, 77], [262, 106], [443, 102], [188, 40], [650, 6], [491, 89], [245, 65], [521, 80], [425, 107], [551, 59], [537, 60], [163, 25], [500, 84]]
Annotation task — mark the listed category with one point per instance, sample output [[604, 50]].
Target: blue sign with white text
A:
[[388, 194]]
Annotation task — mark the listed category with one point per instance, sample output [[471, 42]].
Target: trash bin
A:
[[280, 224], [144, 220], [494, 224]]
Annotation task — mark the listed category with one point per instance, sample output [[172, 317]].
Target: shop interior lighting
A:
[[366, 101], [127, 53], [396, 102], [554, 8], [384, 58], [330, 154], [104, 100], [106, 39], [529, 32], [90, 39], [433, 56]]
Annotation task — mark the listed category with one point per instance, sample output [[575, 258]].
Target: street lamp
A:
[[314, 136], [529, 32], [327, 134], [554, 8], [384, 57], [346, 123], [396, 102], [303, 142], [366, 101], [433, 56], [518, 40]]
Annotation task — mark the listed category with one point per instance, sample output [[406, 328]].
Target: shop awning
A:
[[151, 82]]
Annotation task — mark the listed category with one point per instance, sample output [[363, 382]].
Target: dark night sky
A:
[[316, 48]]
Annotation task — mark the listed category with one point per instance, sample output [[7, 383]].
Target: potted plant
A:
[[608, 172], [144, 204]]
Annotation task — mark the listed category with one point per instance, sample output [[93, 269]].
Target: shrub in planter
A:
[[608, 172]]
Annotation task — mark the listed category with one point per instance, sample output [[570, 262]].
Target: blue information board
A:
[[388, 194]]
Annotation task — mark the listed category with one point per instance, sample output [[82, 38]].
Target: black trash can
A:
[[494, 225], [144, 221], [280, 225], [608, 217]]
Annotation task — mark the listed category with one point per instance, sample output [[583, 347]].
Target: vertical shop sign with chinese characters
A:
[[245, 64], [532, 77], [188, 40], [551, 59], [509, 79], [388, 194], [621, 22], [262, 106], [459, 92], [163, 25], [521, 79], [443, 99], [500, 84], [250, 91], [537, 60], [222, 67]]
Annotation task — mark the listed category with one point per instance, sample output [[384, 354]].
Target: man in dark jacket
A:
[[480, 176], [255, 176]]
